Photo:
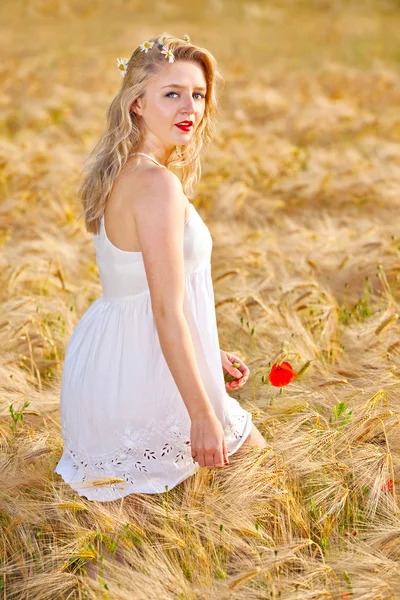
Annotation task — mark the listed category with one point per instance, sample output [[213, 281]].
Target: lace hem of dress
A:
[[141, 452]]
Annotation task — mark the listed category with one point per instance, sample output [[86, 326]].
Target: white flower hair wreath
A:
[[145, 47]]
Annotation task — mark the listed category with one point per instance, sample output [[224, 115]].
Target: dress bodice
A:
[[122, 272]]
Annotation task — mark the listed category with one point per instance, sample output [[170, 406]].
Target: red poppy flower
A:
[[281, 374], [387, 486]]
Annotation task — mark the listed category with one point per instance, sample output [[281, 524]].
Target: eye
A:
[[196, 94]]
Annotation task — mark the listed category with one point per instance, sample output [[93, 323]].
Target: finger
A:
[[209, 459], [244, 370], [203, 460], [198, 457], [219, 458], [236, 360], [225, 452], [236, 383]]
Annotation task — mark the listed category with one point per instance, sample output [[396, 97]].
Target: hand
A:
[[239, 373], [208, 441]]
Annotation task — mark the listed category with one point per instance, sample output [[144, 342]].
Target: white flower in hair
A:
[[187, 38], [161, 40], [168, 54], [121, 64], [146, 46]]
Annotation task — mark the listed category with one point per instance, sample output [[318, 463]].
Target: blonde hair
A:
[[121, 136]]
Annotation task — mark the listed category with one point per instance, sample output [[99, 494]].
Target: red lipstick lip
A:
[[185, 123], [183, 127]]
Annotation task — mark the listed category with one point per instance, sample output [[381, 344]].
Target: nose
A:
[[188, 106]]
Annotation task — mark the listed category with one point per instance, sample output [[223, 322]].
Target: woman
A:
[[143, 398]]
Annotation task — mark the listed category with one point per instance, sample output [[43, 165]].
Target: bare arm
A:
[[160, 216], [160, 228]]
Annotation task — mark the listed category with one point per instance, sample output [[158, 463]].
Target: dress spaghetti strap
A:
[[151, 158]]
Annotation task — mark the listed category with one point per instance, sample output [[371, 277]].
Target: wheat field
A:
[[300, 190]]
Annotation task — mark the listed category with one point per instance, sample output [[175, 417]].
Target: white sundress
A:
[[122, 415]]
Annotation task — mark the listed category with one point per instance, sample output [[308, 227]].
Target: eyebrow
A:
[[177, 85]]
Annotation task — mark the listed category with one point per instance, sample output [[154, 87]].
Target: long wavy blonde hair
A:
[[122, 136]]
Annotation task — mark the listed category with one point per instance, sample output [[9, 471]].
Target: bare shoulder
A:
[[149, 185]]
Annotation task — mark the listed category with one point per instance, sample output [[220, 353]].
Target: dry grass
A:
[[300, 191]]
